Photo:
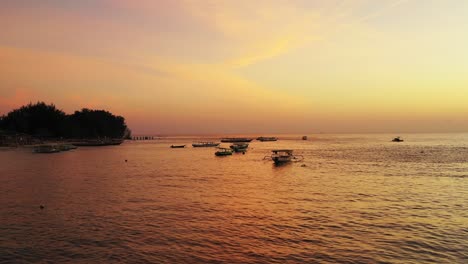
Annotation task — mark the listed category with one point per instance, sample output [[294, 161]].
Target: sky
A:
[[265, 66]]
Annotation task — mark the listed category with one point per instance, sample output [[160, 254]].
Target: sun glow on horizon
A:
[[189, 66]]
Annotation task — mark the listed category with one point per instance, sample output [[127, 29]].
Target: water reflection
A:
[[359, 199]]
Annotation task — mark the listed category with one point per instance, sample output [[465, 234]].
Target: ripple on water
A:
[[360, 199]]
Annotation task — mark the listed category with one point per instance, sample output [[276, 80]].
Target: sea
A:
[[354, 198]]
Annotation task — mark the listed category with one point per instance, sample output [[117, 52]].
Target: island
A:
[[40, 122]]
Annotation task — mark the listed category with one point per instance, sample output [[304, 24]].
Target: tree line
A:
[[46, 121]]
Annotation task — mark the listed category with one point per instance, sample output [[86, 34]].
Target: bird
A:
[[41, 206]]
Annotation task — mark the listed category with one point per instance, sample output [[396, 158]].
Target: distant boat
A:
[[236, 140], [177, 146], [46, 149], [239, 147], [204, 144], [267, 139], [282, 156], [397, 139], [304, 138], [223, 152], [66, 147], [97, 142]]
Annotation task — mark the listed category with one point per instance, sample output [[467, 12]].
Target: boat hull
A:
[[97, 143], [223, 154], [232, 140], [205, 145], [263, 139], [281, 160]]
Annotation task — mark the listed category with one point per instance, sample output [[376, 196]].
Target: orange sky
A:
[[267, 66]]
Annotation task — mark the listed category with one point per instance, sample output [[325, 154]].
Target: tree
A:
[[38, 119], [44, 120]]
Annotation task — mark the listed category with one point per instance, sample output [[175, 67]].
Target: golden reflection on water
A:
[[357, 199]]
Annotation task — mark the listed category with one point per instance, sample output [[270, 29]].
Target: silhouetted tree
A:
[[38, 119], [95, 123], [44, 120]]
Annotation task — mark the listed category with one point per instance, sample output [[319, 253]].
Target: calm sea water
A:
[[354, 199]]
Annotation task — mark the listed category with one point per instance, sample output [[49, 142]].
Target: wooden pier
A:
[[144, 138]]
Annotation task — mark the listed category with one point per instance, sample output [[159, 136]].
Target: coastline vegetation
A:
[[46, 121]]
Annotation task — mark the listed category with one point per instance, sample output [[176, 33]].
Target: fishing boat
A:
[[46, 149], [97, 142], [239, 147], [223, 152], [177, 146], [66, 147], [204, 144], [397, 139], [262, 139], [115, 141], [232, 140], [282, 156]]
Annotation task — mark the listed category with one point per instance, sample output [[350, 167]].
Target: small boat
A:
[[115, 141], [232, 140], [46, 149], [304, 138], [223, 152], [66, 147], [204, 144], [97, 142], [397, 139], [177, 146], [239, 147], [282, 156], [262, 139]]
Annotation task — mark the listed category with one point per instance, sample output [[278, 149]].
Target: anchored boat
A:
[[177, 146], [223, 152], [397, 139], [239, 147], [97, 142], [231, 140], [204, 144], [267, 139], [282, 156], [46, 149]]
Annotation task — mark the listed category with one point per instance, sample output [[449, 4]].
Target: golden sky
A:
[[265, 66]]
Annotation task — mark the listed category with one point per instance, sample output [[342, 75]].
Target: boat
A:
[[115, 141], [262, 139], [397, 139], [66, 147], [304, 137], [97, 142], [46, 149], [239, 147], [177, 146], [282, 156], [223, 152], [231, 140], [205, 144]]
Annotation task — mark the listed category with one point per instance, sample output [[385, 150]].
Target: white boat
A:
[[204, 144], [281, 156]]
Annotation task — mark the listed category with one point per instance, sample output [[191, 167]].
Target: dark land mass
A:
[[41, 121]]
